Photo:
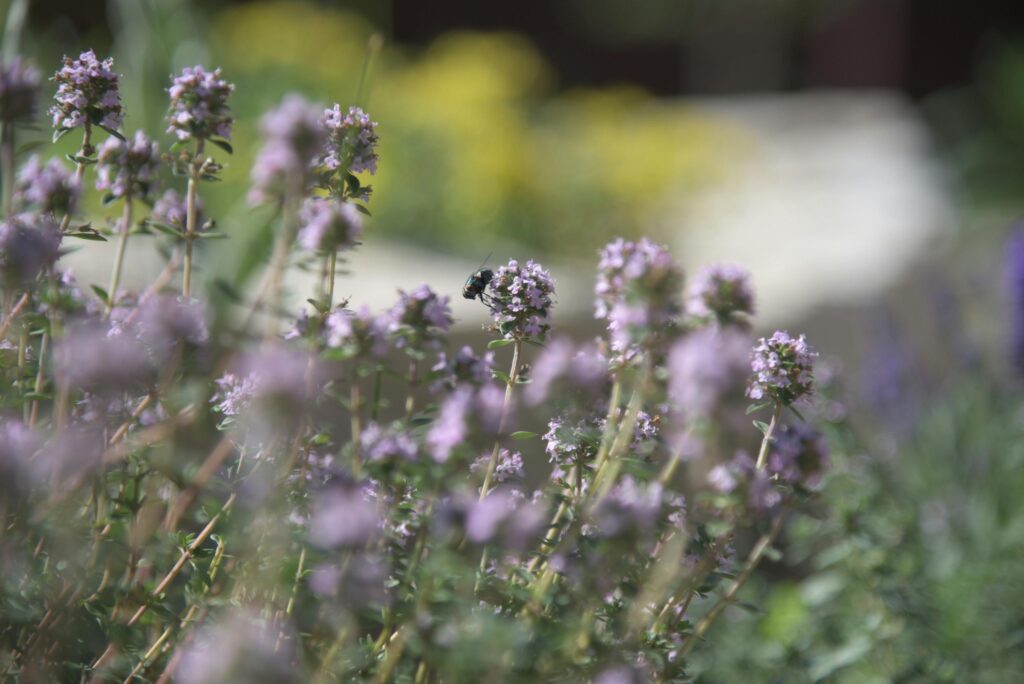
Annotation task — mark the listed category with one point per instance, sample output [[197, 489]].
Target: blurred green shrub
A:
[[918, 574]]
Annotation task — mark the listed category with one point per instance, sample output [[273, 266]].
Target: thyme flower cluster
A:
[[199, 105], [128, 166], [783, 369], [87, 93], [522, 297]]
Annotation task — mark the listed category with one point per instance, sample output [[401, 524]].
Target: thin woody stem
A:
[[513, 375]]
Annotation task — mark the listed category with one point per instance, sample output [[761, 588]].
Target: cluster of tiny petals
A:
[[293, 137], [740, 476], [199, 105], [464, 367], [522, 300], [509, 467], [638, 292], [171, 209], [87, 92], [359, 333], [29, 245], [329, 225], [47, 186], [351, 140], [783, 369], [722, 290], [128, 166], [380, 444], [420, 316], [19, 90]]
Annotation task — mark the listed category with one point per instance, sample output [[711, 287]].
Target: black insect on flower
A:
[[476, 284]]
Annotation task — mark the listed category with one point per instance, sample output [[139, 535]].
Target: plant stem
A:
[[762, 455], [122, 243], [190, 219], [355, 409], [332, 264], [748, 568], [7, 166], [513, 375], [44, 347]]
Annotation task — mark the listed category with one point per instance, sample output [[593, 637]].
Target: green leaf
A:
[[495, 344], [108, 199], [317, 305], [501, 375], [212, 236], [523, 434], [60, 133], [796, 413], [361, 209], [112, 132], [165, 228], [762, 426], [223, 144], [101, 293], [758, 407], [88, 235]]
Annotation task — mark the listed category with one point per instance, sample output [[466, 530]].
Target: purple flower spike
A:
[[170, 209], [783, 369], [421, 317], [723, 291], [357, 333], [49, 187], [293, 139], [351, 140], [128, 166], [199, 105], [638, 293], [19, 91], [329, 225], [29, 245], [87, 92], [522, 300]]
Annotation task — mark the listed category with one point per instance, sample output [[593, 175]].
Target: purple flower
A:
[[343, 516], [703, 367], [638, 293], [503, 517], [629, 508], [760, 491], [128, 166], [463, 368], [562, 369], [49, 187], [357, 333], [29, 245], [171, 210], [723, 291], [420, 317], [451, 426], [199, 105], [1015, 287], [89, 357], [509, 467], [239, 648], [329, 225], [293, 137], [387, 444], [165, 323], [351, 143], [234, 394], [87, 92], [280, 381], [799, 455], [522, 300], [783, 369], [19, 90]]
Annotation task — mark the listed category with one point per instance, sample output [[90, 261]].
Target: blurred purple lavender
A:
[[563, 370], [128, 166], [165, 323], [292, 139], [522, 300], [357, 333], [420, 318], [638, 293], [723, 291], [48, 187], [387, 444], [465, 367], [505, 518], [170, 209], [705, 366], [29, 245], [799, 455], [783, 369], [343, 516], [351, 143], [630, 508], [329, 225], [92, 357], [87, 92], [19, 90], [199, 105], [238, 648]]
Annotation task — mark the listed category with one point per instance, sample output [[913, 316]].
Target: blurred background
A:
[[862, 158]]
